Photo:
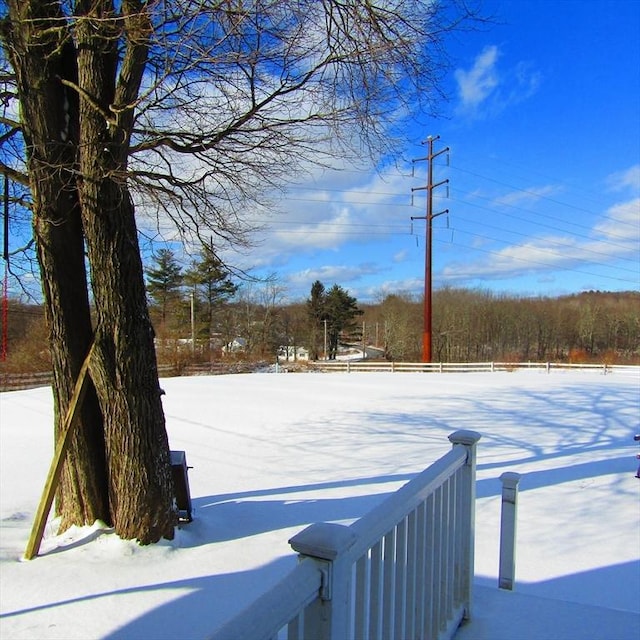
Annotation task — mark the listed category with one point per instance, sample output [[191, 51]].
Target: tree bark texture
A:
[[77, 113], [50, 136], [125, 369]]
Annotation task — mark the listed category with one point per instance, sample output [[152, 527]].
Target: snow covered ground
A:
[[272, 453]]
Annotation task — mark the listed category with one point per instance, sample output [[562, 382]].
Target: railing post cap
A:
[[464, 437], [510, 479], [324, 540]]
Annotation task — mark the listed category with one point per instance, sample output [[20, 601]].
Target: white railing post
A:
[[508, 516], [326, 544], [466, 510]]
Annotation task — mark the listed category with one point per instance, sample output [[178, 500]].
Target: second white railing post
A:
[[508, 518]]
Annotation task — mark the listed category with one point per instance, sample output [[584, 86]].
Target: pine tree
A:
[[316, 314], [164, 281], [210, 283], [341, 310], [333, 310]]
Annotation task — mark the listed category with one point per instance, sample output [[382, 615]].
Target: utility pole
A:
[[5, 284], [426, 335], [193, 322], [364, 340], [326, 355]]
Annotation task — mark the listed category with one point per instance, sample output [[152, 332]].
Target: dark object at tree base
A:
[[179, 470]]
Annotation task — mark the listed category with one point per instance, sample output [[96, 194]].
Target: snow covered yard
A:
[[273, 453]]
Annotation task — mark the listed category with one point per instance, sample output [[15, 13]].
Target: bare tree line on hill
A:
[[468, 326], [474, 326]]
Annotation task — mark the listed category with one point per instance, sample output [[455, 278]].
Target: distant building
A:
[[237, 345], [290, 354]]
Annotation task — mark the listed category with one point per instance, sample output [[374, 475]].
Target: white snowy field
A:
[[272, 453]]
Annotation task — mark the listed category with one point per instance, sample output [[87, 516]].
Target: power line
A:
[[555, 243], [537, 195], [549, 226], [362, 230], [533, 262], [595, 197]]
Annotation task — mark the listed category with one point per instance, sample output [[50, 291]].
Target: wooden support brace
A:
[[55, 470]]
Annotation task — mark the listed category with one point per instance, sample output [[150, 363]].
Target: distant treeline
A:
[[472, 325], [467, 326]]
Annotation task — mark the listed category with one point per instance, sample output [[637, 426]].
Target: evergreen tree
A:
[[316, 314], [210, 283], [335, 308], [340, 310], [165, 280]]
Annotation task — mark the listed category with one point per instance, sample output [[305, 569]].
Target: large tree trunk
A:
[[125, 370], [50, 134], [118, 468]]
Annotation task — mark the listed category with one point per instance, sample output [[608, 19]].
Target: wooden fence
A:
[[404, 570], [17, 381], [461, 367]]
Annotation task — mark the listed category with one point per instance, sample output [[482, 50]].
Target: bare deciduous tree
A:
[[186, 110]]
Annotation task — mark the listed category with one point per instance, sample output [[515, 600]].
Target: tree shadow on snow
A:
[[562, 424], [201, 604], [232, 516], [488, 487], [614, 587], [565, 424]]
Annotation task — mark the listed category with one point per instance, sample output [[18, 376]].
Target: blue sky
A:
[[543, 127]]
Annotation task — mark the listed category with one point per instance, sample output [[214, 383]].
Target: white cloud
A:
[[616, 238], [476, 84], [327, 212], [330, 274], [621, 226], [411, 287], [626, 179], [401, 256], [486, 90], [531, 194], [524, 81]]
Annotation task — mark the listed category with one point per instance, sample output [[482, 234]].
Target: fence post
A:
[[327, 544], [506, 573], [466, 512]]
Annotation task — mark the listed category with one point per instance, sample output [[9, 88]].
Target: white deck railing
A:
[[404, 570]]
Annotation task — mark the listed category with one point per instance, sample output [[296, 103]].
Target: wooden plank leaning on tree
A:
[[55, 470]]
